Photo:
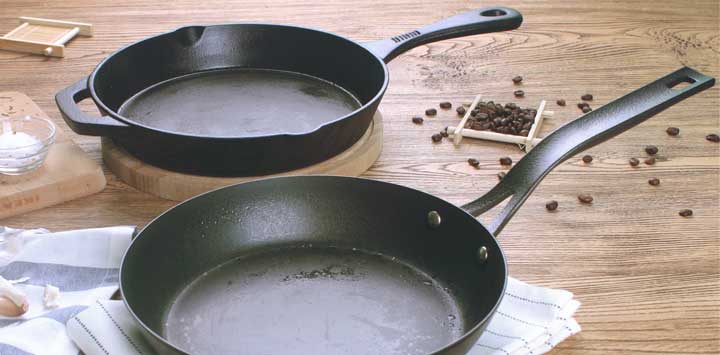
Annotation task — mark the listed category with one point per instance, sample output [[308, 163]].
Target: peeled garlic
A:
[[13, 302], [52, 294]]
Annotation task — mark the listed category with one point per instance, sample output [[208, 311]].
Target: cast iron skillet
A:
[[338, 265], [248, 99]]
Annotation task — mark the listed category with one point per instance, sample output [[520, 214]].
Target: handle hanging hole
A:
[[493, 13], [680, 84]]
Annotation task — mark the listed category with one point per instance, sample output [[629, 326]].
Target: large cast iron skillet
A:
[[337, 265], [248, 99]]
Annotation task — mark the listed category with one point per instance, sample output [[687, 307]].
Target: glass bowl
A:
[[24, 143]]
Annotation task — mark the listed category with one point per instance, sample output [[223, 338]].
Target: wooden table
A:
[[649, 280]]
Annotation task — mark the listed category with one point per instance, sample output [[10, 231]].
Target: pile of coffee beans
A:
[[506, 119]]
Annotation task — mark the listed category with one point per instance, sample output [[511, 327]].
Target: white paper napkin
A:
[[530, 320]]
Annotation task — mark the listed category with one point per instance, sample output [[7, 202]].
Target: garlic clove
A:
[[8, 308]]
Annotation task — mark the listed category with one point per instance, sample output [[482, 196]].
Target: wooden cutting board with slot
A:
[[68, 173]]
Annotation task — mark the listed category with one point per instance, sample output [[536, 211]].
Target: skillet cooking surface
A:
[[240, 102], [314, 300]]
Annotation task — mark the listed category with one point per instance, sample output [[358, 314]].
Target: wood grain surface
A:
[[648, 279]]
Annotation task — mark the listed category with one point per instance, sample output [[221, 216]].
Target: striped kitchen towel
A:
[[83, 264]]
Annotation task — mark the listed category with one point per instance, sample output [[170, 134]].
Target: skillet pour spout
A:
[[339, 265]]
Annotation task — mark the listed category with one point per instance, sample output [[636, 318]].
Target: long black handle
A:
[[79, 121], [585, 132], [490, 19]]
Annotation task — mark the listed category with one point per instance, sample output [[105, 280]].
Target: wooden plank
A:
[[68, 173], [648, 279], [85, 29]]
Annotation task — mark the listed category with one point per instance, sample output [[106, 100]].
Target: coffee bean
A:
[[437, 137], [473, 162], [634, 162], [524, 132], [444, 133], [519, 93], [517, 79], [673, 131], [501, 175], [587, 159], [431, 112], [685, 213], [650, 161], [511, 106], [654, 181], [713, 137], [445, 105], [474, 113], [560, 102], [505, 161], [586, 109], [580, 105], [651, 149], [461, 110], [417, 120], [482, 116], [587, 97], [552, 205], [583, 198]]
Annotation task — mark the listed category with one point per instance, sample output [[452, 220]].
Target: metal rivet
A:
[[482, 255], [434, 219]]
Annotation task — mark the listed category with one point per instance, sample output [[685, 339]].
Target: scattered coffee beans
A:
[[651, 149], [560, 102], [437, 137], [587, 159], [517, 79], [431, 112], [634, 162], [587, 97], [445, 105], [585, 198], [685, 213], [461, 110], [505, 161], [519, 93], [552, 205], [501, 175], [654, 181], [713, 137], [673, 131], [417, 120], [473, 162], [650, 161]]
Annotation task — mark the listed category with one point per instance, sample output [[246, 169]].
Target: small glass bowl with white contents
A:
[[24, 143]]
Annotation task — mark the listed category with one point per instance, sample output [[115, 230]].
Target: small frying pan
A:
[[248, 99], [339, 265]]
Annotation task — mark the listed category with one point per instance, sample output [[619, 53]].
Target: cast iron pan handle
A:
[[585, 132], [79, 121], [490, 19]]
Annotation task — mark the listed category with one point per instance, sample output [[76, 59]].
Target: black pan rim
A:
[[116, 116], [162, 339]]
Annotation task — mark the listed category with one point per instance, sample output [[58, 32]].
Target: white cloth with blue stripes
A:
[[84, 265]]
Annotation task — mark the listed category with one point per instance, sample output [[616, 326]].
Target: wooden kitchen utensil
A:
[[178, 186], [67, 173], [43, 36]]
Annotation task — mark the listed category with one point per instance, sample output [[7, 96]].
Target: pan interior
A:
[[239, 102], [314, 300]]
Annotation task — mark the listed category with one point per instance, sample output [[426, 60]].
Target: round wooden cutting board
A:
[[178, 186]]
